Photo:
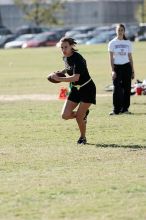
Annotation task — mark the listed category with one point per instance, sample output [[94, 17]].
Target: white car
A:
[[19, 41]]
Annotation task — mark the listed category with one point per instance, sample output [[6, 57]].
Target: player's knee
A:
[[65, 116]]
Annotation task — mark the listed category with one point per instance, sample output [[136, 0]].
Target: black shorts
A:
[[86, 94]]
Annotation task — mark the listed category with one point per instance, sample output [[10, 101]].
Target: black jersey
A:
[[76, 64]]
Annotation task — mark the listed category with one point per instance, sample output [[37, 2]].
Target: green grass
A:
[[25, 71], [44, 175]]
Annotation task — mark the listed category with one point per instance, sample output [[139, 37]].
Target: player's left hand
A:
[[55, 77]]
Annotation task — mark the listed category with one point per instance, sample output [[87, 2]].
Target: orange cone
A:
[[63, 93]]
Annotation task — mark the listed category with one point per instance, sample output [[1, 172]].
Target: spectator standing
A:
[[120, 50]]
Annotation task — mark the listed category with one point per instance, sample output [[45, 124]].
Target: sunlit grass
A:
[[44, 175], [25, 71]]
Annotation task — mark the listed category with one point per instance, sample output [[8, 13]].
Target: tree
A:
[[40, 11], [144, 11], [141, 12]]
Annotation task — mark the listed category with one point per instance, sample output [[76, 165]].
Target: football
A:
[[60, 74]]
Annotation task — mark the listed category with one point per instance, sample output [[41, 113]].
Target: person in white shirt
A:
[[120, 50]]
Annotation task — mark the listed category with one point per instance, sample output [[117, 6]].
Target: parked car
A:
[[132, 31], [141, 37], [142, 29], [102, 29], [4, 31], [30, 30], [19, 41], [43, 40], [79, 30], [6, 38], [72, 33], [60, 31], [82, 38], [102, 38], [84, 29]]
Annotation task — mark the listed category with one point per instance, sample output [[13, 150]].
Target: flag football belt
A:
[[80, 86]]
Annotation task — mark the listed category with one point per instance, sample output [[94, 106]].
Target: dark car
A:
[[43, 40], [142, 29], [4, 31], [141, 37], [6, 38], [29, 30], [60, 31]]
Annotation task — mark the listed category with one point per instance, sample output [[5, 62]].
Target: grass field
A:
[[44, 175]]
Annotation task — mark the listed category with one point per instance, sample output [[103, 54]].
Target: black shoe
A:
[[87, 113], [82, 140]]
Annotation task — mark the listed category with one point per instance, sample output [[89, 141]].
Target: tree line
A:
[[42, 11], [48, 11]]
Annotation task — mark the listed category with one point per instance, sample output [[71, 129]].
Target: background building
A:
[[78, 12], [95, 12]]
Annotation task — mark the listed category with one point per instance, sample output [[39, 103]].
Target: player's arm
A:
[[112, 65], [73, 78], [131, 62]]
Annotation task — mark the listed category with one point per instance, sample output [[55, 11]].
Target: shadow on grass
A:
[[133, 114], [138, 103], [140, 113], [134, 146]]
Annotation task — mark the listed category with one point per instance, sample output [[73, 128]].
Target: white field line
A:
[[37, 97]]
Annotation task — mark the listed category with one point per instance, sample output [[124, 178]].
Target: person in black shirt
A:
[[82, 88]]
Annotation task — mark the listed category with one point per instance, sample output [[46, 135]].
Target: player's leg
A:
[[67, 110], [80, 117], [126, 88]]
